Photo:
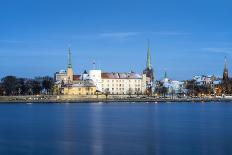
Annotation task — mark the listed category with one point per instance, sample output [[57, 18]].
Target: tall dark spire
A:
[[225, 71], [148, 65], [225, 64], [165, 74], [94, 65], [69, 58], [149, 72]]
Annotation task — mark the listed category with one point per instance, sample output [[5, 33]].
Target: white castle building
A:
[[110, 82], [118, 83]]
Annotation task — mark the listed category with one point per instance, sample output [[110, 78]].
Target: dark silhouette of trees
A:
[[226, 86], [47, 84], [11, 85], [195, 89], [161, 89]]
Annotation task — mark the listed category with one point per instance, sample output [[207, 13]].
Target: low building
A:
[[123, 83], [81, 87], [69, 84], [118, 83], [204, 79]]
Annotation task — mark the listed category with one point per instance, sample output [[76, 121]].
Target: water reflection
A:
[[96, 130], [107, 129]]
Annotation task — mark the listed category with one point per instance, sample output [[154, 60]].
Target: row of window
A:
[[130, 89], [121, 85], [121, 80], [87, 89]]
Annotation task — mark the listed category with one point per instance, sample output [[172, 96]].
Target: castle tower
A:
[[165, 75], [225, 71], [149, 71], [165, 80], [69, 67]]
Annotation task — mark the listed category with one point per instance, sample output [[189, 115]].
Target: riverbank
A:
[[94, 98]]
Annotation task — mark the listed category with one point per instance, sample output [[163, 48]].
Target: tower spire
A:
[[69, 58], [225, 65], [94, 65], [148, 65], [165, 74], [225, 72]]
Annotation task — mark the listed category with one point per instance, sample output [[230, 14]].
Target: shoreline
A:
[[74, 99]]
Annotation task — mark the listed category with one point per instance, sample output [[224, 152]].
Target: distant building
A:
[[105, 82], [69, 84], [123, 83], [173, 86], [204, 79], [61, 75], [65, 76], [81, 87]]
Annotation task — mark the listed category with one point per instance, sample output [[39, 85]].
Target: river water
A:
[[116, 129]]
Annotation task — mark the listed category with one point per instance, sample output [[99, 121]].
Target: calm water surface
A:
[[116, 129]]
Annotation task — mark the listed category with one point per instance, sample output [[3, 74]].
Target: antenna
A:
[[94, 65]]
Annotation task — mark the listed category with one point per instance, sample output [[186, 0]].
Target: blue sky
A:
[[187, 37]]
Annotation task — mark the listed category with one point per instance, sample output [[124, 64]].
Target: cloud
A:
[[119, 34], [127, 35], [12, 41], [218, 50], [170, 33]]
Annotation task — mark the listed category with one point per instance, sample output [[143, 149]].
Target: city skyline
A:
[[186, 38]]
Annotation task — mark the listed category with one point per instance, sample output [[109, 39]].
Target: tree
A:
[[129, 92], [36, 87], [1, 89], [48, 84], [107, 93], [9, 85], [161, 89], [164, 91], [195, 89], [20, 86]]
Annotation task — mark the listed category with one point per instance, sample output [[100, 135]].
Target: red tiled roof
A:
[[76, 77], [120, 76]]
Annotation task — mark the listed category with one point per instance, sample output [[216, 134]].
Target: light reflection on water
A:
[[116, 129]]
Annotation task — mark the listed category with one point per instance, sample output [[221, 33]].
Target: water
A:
[[116, 129]]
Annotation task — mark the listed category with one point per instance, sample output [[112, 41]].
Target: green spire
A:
[[165, 74], [148, 66], [225, 67], [69, 58]]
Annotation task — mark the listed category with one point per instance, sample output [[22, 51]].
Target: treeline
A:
[[12, 85], [226, 86], [194, 89]]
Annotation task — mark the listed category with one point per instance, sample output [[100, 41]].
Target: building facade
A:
[[69, 84], [114, 83], [80, 87], [118, 83], [123, 83]]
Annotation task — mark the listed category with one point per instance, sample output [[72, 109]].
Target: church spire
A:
[[225, 72], [225, 65], [148, 65], [165, 74], [69, 58]]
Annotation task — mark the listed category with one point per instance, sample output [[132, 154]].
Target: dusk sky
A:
[[187, 37]]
